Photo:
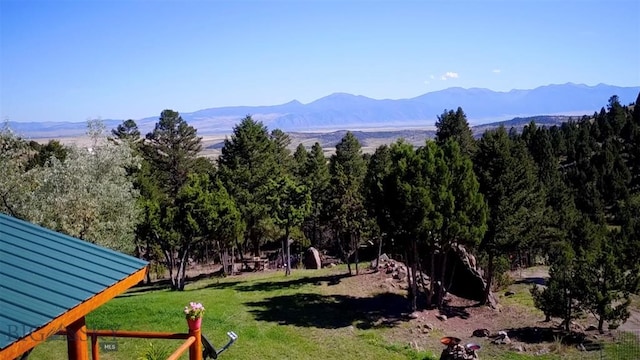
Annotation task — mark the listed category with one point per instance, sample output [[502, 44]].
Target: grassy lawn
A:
[[275, 318], [309, 315]]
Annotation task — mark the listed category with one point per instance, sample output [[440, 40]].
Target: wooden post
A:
[[195, 350], [77, 340], [95, 352]]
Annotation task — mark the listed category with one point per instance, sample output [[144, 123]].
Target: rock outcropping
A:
[[312, 259]]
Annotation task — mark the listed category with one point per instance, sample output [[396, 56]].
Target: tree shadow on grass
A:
[[165, 284], [330, 280], [221, 285], [537, 335], [532, 280], [332, 311], [456, 311]]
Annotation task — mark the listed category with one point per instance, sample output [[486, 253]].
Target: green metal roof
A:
[[44, 273]]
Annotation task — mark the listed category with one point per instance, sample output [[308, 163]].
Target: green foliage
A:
[[282, 154], [590, 274], [316, 177], [246, 165], [464, 218], [426, 198], [501, 272], [605, 278], [15, 183], [300, 157], [560, 297], [290, 203], [378, 169], [43, 154], [155, 351], [88, 196], [515, 197], [176, 214], [347, 169], [172, 148], [454, 126], [127, 132]]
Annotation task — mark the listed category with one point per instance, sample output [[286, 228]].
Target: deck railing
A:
[[193, 341]]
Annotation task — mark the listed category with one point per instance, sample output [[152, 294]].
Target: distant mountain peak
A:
[[293, 102], [347, 111]]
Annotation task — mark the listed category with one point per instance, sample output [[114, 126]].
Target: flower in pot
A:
[[193, 312]]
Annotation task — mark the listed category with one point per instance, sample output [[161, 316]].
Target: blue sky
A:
[[71, 60]]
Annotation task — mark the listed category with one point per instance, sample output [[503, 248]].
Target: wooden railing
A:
[[193, 341]]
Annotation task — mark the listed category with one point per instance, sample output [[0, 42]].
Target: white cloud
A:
[[426, 82], [431, 77], [449, 75], [496, 71]]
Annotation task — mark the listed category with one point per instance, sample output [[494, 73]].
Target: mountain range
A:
[[341, 111]]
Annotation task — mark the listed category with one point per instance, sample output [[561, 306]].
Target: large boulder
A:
[[467, 277], [383, 259], [463, 272], [312, 259]]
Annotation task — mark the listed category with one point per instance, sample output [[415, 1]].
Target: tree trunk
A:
[[147, 256], [601, 324], [347, 258], [414, 276], [432, 278], [239, 251], [314, 235], [224, 257], [441, 290], [487, 289], [170, 259], [421, 272], [287, 271], [453, 271], [356, 254], [567, 320], [256, 245], [379, 252], [182, 269]]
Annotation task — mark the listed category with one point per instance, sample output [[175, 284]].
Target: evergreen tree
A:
[[172, 148], [53, 148], [291, 203], [127, 132], [281, 142], [463, 208], [632, 147], [317, 180], [300, 157], [559, 298], [454, 125], [347, 169], [408, 203], [378, 169], [508, 180], [246, 166], [203, 212], [606, 285]]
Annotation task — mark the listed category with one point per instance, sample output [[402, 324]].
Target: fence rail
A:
[[193, 340]]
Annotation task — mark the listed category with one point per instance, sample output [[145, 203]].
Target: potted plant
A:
[[193, 312]]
